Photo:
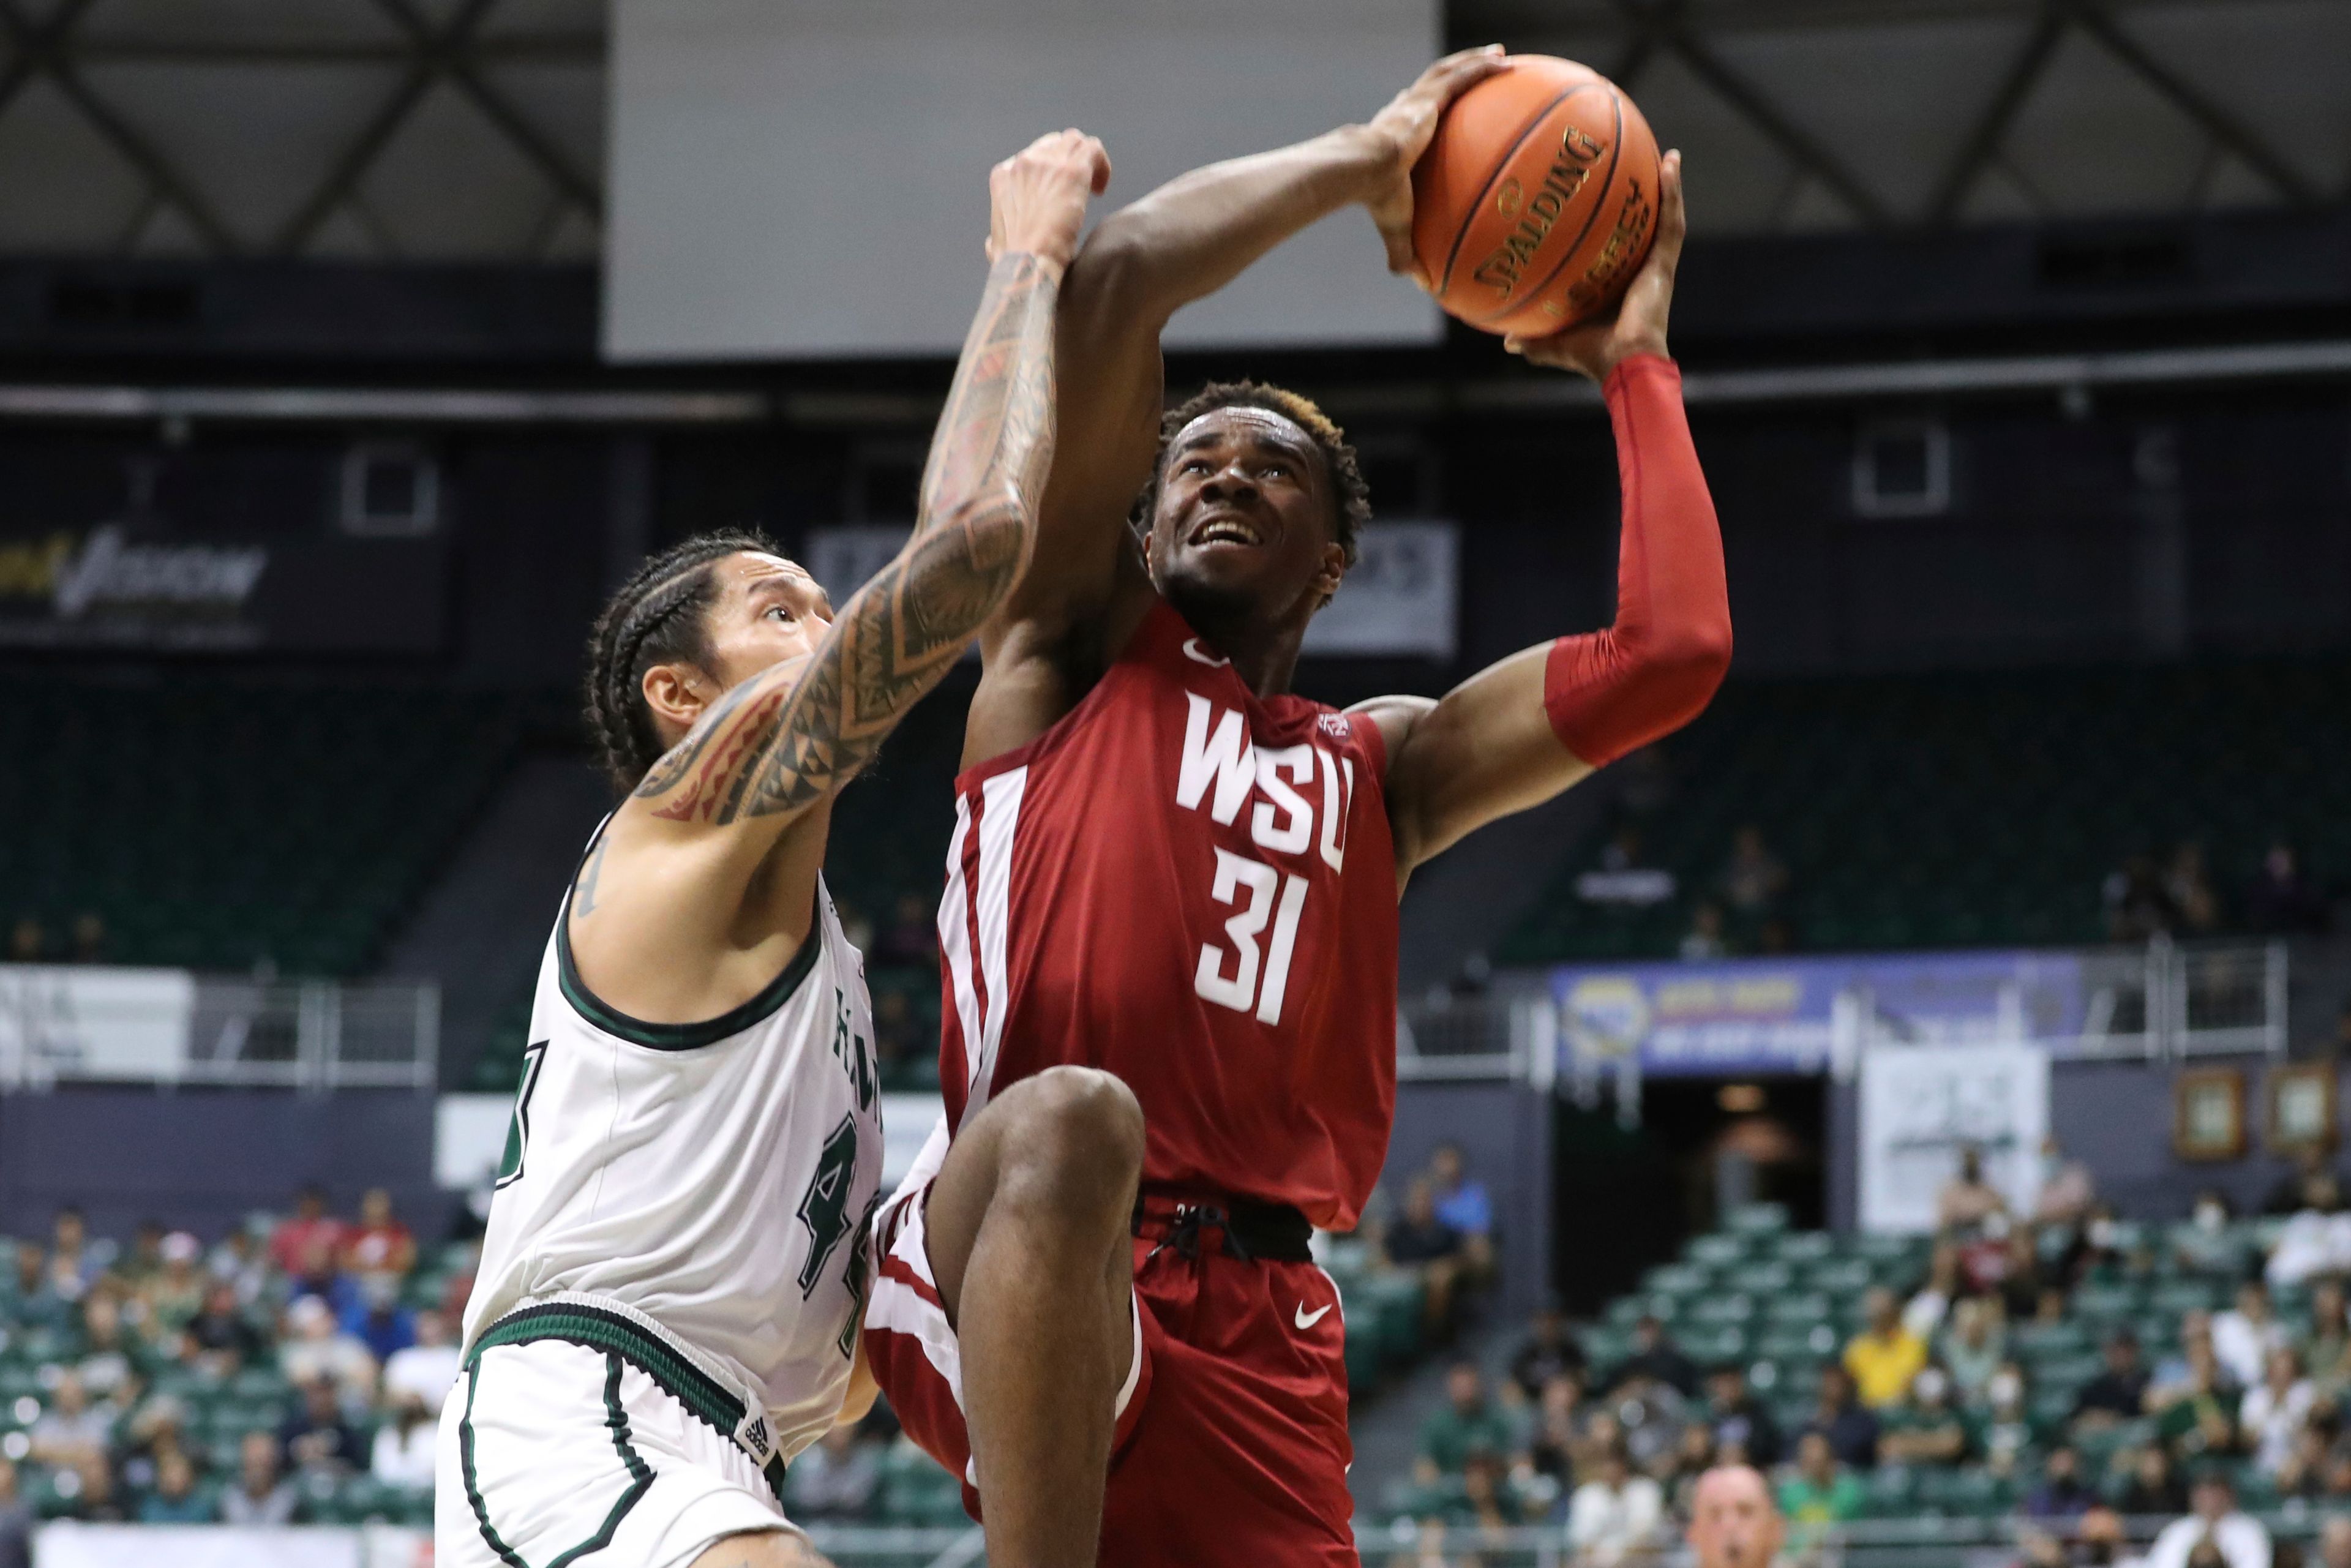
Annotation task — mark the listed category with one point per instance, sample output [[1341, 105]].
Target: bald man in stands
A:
[[1734, 1522]]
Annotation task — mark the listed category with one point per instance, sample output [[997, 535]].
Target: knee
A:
[[1079, 1123]]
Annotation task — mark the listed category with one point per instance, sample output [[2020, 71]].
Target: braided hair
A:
[[655, 618], [1350, 498]]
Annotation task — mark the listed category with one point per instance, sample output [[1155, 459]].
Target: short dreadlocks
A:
[[1350, 498], [657, 616]]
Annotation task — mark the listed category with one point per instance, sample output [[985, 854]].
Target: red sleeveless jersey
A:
[[1193, 889]]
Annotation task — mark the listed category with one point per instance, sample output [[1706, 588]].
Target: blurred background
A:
[[1920, 1075]]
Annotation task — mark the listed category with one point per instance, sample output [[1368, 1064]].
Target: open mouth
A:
[[1226, 528]]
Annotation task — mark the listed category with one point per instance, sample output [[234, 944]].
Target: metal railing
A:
[[61, 1024], [2170, 1000]]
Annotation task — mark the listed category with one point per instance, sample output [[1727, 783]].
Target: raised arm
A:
[[1182, 241], [690, 863], [1520, 731]]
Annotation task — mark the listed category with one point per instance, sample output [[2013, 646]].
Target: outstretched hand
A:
[[1403, 129], [1638, 325], [1037, 198]]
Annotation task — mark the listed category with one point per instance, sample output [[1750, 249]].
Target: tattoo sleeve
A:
[[779, 742]]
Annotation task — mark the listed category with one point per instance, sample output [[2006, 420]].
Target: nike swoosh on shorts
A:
[[1306, 1320]]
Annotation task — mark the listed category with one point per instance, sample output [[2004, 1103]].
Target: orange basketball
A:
[[1537, 199]]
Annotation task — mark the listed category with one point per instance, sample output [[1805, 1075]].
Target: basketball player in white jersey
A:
[[670, 1291]]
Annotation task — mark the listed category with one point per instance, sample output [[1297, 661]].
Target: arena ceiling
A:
[[472, 129]]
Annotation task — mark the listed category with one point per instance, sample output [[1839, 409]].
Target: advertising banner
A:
[[1401, 596], [145, 587], [1780, 1015], [1922, 1105]]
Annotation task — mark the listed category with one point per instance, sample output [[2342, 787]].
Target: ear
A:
[[1332, 571], [678, 694]]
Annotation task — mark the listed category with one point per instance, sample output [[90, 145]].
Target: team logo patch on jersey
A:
[[1334, 725]]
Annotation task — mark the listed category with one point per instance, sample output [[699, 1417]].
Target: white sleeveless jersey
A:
[[711, 1182]]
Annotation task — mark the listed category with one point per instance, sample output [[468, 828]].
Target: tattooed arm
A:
[[709, 868]]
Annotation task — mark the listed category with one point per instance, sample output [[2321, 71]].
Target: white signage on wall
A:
[[1401, 596], [65, 1021], [1923, 1105]]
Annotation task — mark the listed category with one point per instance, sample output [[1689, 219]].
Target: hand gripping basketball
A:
[[1637, 326], [1404, 130], [1037, 198]]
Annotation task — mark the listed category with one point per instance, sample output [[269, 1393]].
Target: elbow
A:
[[1684, 669], [1111, 274]]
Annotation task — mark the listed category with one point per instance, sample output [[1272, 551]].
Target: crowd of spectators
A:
[[290, 1370], [2176, 896], [82, 942], [1962, 1389]]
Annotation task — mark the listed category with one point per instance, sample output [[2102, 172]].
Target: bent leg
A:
[[1028, 1225]]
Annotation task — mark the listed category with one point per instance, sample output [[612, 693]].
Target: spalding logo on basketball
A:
[[1537, 201]]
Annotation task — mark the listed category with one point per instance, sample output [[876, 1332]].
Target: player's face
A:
[[1244, 524], [1732, 1522], [766, 611]]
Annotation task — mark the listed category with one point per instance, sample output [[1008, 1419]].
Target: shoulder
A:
[[1393, 718]]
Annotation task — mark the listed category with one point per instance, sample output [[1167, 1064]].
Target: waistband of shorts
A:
[[683, 1373], [1246, 1228]]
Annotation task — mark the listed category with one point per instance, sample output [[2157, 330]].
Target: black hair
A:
[[656, 616], [1350, 498]]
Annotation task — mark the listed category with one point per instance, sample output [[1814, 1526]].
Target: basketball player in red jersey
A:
[[1171, 874]]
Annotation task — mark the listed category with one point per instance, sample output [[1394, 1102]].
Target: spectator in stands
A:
[[2335, 1542], [1420, 1242], [1692, 1456], [1621, 878], [306, 1246], [16, 1521], [1967, 1201], [1921, 1428], [403, 1453], [1655, 1356], [2274, 1409], [2197, 1413], [1468, 1419], [2022, 1279], [2137, 906], [175, 1500], [105, 1365], [1931, 1302], [2295, 1190], [145, 1258], [1548, 1352], [95, 1500], [379, 1244], [2310, 1465], [1733, 1520], [836, 1480], [1703, 940], [1821, 1492], [37, 1304], [155, 1433], [1840, 1418], [427, 1369], [28, 941], [1554, 1449], [2316, 1240], [2241, 1538], [89, 937], [2154, 1489], [1753, 880], [315, 1437], [314, 1347], [1973, 1348], [72, 1428], [376, 1319], [2244, 1336], [2281, 902], [236, 1262], [2206, 1246], [1462, 1201], [1883, 1356], [2067, 1188], [222, 1334], [2188, 889], [72, 1268], [261, 1495], [913, 937], [2119, 1392], [2006, 1430], [2061, 1493], [2326, 1338], [1740, 1423], [176, 1293], [1615, 1514]]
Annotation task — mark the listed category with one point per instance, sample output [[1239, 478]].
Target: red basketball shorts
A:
[[1231, 1443]]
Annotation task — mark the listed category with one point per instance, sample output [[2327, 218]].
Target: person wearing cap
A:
[[1734, 1521], [175, 1294], [2215, 1518]]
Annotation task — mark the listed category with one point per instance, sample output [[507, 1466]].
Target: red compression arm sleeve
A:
[[1611, 692]]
